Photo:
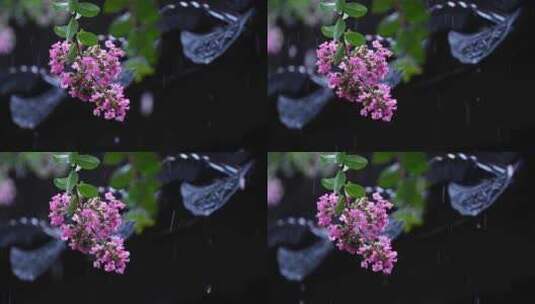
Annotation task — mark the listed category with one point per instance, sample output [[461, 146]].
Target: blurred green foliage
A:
[[406, 22], [306, 11], [405, 175], [138, 24], [39, 11], [136, 173], [290, 163], [39, 163]]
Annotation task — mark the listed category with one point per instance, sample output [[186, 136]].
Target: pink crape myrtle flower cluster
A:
[[359, 229], [92, 76], [92, 229], [7, 40], [358, 77]]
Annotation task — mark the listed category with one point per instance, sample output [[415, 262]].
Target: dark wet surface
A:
[[450, 105], [450, 259], [196, 106], [183, 259]]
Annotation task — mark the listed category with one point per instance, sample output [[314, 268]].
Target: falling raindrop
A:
[[292, 51], [147, 103], [172, 225], [208, 289]]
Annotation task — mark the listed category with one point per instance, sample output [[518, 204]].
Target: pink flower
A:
[[111, 255], [359, 228], [378, 254], [8, 192], [92, 228], [92, 77], [358, 77], [325, 54], [58, 208], [7, 40], [274, 40], [275, 191]]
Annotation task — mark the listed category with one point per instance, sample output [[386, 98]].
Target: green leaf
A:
[[328, 183], [340, 205], [113, 158], [355, 10], [410, 192], [72, 28], [414, 162], [409, 42], [339, 29], [148, 163], [72, 180], [409, 216], [380, 158], [113, 6], [142, 193], [328, 31], [340, 157], [328, 158], [355, 162], [61, 183], [139, 66], [87, 9], [328, 6], [390, 176], [145, 10], [87, 38], [87, 190], [339, 4], [72, 53], [407, 67], [122, 177], [61, 6], [121, 26], [339, 181], [355, 190], [389, 25], [73, 204], [72, 5], [61, 31], [87, 162], [61, 158], [382, 6], [414, 10], [141, 219], [339, 54], [354, 38]]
